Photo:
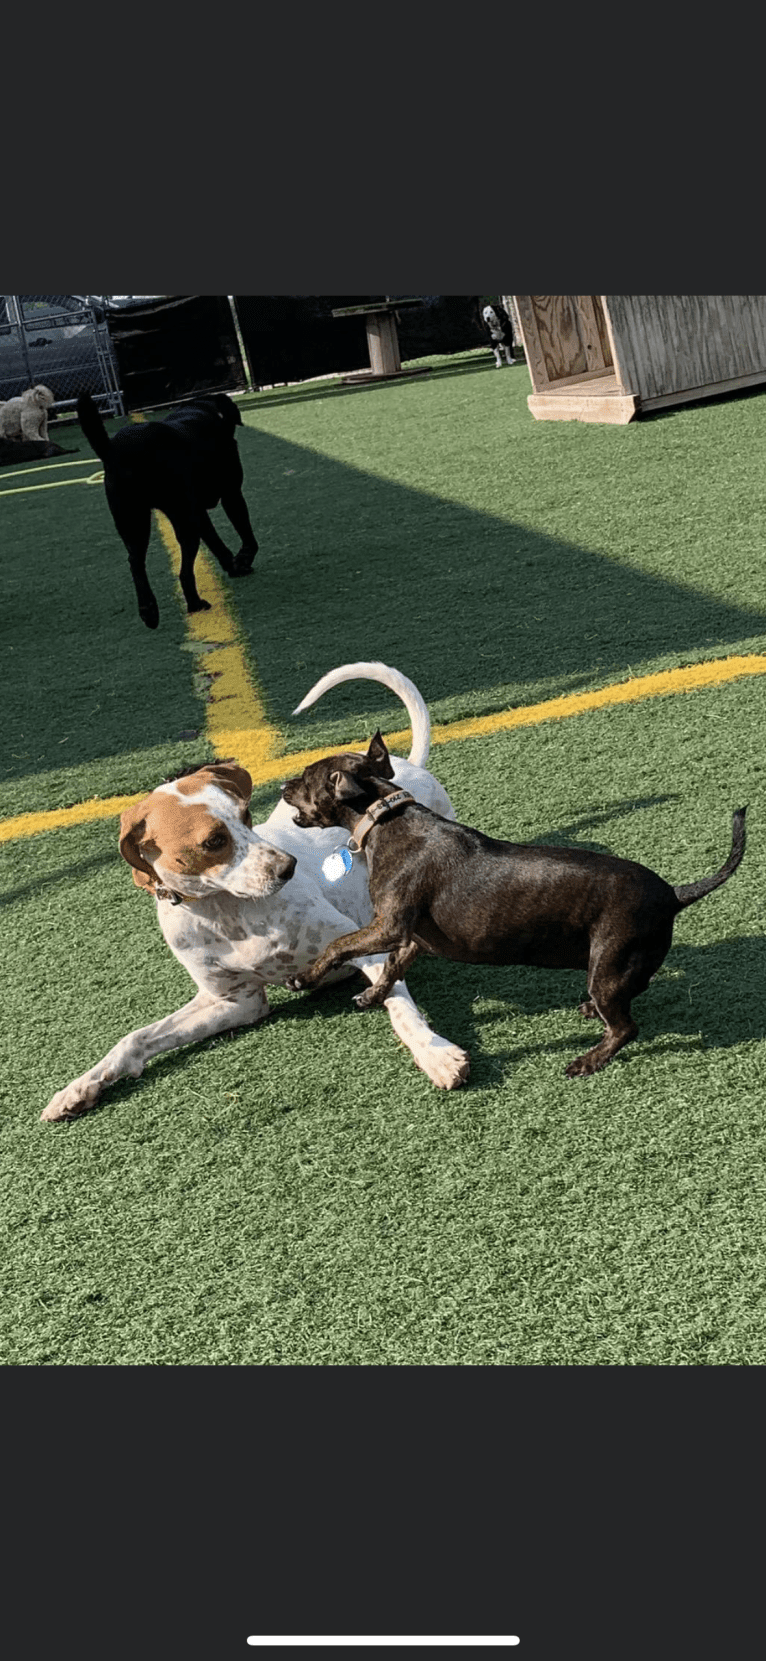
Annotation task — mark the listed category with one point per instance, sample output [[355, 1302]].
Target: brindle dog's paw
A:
[[368, 999], [297, 983], [198, 605], [584, 1066]]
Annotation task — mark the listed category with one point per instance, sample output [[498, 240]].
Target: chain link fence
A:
[[60, 341]]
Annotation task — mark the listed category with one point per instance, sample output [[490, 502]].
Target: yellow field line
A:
[[48, 467], [235, 720], [713, 673], [237, 726], [55, 484], [60, 818]]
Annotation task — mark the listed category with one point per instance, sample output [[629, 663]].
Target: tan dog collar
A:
[[379, 810]]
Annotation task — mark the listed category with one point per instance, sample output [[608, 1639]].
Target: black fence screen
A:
[[444, 323], [171, 348], [291, 337]]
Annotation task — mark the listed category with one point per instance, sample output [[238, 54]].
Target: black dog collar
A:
[[168, 894]]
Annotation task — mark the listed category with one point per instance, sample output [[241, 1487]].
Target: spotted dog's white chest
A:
[[249, 938]]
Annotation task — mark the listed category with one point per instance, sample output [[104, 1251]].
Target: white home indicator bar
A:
[[465, 1643]]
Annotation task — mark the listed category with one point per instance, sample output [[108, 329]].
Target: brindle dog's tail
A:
[[686, 893]]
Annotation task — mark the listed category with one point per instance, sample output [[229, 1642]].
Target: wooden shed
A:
[[607, 357]]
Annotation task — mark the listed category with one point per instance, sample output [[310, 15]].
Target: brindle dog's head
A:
[[327, 788]]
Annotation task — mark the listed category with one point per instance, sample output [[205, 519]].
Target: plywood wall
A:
[[565, 337], [666, 343]]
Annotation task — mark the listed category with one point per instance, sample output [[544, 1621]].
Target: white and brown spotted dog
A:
[[27, 417], [243, 907]]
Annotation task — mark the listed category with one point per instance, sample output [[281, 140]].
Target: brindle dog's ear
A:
[[378, 756], [132, 826], [344, 787]]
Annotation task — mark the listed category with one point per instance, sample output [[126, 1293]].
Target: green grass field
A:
[[299, 1193]]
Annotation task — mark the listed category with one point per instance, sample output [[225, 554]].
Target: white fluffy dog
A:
[[27, 416]]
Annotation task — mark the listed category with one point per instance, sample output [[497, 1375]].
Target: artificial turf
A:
[[299, 1193]]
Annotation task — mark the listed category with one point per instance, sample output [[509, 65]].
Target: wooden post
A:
[[383, 344], [382, 340]]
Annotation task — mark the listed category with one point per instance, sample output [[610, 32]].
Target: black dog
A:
[[182, 465], [29, 449], [500, 330], [444, 888]]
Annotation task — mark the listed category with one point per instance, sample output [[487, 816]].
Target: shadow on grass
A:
[[714, 991], [734, 396], [604, 816], [351, 565], [65, 873], [400, 566]]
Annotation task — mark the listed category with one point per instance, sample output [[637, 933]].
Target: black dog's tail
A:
[[92, 426], [686, 893]]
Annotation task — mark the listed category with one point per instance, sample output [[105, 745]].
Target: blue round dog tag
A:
[[337, 865]]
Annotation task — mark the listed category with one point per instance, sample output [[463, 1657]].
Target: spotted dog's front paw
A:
[[446, 1064], [75, 1098]]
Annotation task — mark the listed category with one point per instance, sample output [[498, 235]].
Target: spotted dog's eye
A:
[[213, 843]]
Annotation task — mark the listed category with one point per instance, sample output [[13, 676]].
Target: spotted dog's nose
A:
[[286, 867]]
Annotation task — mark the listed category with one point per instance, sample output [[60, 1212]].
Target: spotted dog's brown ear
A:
[[132, 825], [236, 781], [231, 777], [142, 881]]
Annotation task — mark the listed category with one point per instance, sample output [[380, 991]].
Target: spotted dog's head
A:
[[326, 788], [193, 835], [496, 320]]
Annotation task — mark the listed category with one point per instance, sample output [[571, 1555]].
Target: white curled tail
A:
[[404, 689]]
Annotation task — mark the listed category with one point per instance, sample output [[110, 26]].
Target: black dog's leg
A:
[[187, 529], [134, 524], [394, 969], [217, 547], [235, 508]]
